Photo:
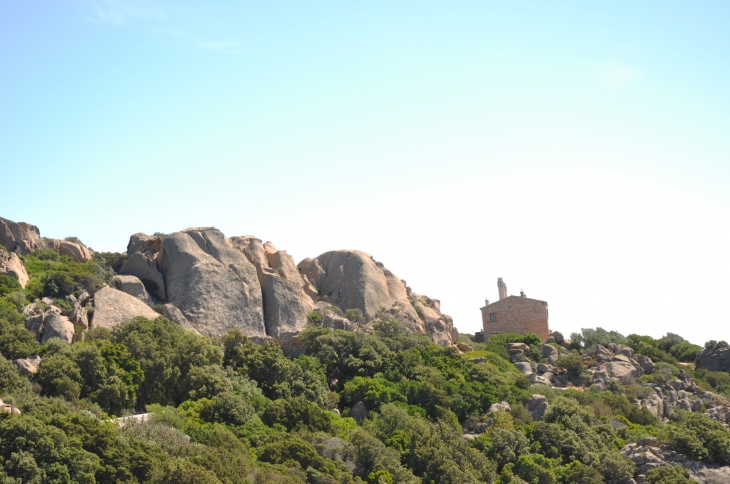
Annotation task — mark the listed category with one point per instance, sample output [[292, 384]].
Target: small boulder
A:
[[464, 348], [558, 336], [603, 353], [537, 405], [548, 351], [716, 358], [134, 287], [499, 407], [524, 367], [144, 267], [29, 365], [625, 372]]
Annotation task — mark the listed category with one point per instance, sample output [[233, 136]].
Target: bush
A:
[[297, 414], [669, 475], [572, 363], [701, 438]]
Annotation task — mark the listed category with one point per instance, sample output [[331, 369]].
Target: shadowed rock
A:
[[112, 307], [11, 265], [20, 237]]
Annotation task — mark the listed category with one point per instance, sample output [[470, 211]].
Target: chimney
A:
[[502, 287], [486, 302], [522, 293]]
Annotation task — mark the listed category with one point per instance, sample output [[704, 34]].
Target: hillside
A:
[[250, 368]]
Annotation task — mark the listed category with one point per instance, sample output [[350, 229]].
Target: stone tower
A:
[[502, 287]]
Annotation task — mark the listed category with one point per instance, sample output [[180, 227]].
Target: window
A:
[[492, 317]]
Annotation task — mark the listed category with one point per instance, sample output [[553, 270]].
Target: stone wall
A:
[[516, 315]]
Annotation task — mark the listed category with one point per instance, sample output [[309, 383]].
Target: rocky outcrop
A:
[[112, 307], [134, 287], [144, 268], [143, 243], [286, 302], [714, 358], [648, 454], [537, 405], [352, 279], [28, 366], [76, 252], [213, 284], [11, 265], [20, 237]]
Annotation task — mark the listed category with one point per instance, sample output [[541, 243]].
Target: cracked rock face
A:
[[11, 265], [112, 307], [213, 284]]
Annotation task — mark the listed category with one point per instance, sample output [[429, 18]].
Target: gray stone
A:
[[79, 316], [176, 316], [524, 367], [57, 326], [11, 265], [543, 368], [625, 372], [548, 351], [134, 287], [714, 359], [359, 412], [646, 364], [29, 365], [558, 336], [144, 267], [603, 353], [518, 347], [549, 340], [141, 242], [20, 237], [626, 351], [113, 307], [34, 324], [499, 407], [212, 283]]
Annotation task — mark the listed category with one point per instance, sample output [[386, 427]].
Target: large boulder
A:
[[286, 302], [714, 358], [76, 252], [144, 267], [112, 307], [213, 284], [352, 279], [134, 287], [57, 326], [27, 366], [141, 242], [622, 370], [20, 237], [11, 265]]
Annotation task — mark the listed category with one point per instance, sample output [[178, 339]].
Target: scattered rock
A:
[[524, 367], [647, 455], [112, 307], [79, 316], [29, 365], [21, 237], [603, 353], [11, 265], [622, 370]]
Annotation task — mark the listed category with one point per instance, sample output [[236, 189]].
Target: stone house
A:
[[515, 314]]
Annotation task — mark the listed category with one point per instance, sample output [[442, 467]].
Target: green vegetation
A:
[[227, 410]]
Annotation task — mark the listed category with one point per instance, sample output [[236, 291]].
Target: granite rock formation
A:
[[75, 251], [214, 285], [20, 237], [112, 307], [11, 265]]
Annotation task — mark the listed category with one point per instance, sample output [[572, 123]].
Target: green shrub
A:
[[669, 475], [701, 438]]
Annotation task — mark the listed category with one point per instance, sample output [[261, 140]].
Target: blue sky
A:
[[581, 151]]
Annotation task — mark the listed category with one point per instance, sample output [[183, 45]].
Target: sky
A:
[[578, 150]]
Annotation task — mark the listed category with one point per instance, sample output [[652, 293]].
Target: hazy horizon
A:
[[580, 152]]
